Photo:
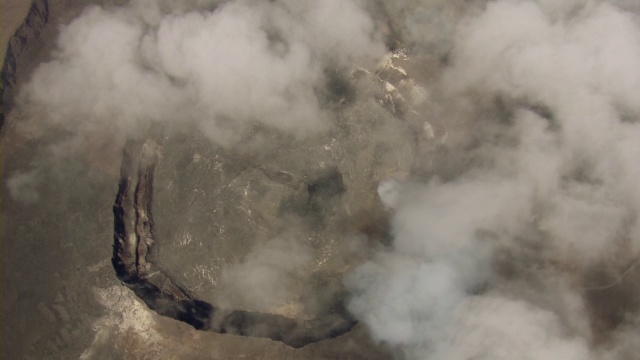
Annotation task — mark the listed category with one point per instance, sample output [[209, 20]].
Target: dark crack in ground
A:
[[134, 239]]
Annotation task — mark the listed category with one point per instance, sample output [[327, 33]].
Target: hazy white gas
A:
[[250, 61], [549, 175], [265, 278]]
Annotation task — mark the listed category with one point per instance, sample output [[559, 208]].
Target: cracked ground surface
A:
[[61, 298]]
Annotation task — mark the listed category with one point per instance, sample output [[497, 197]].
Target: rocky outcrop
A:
[[133, 243], [36, 19]]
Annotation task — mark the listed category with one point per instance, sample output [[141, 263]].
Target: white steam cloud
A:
[[267, 276], [241, 63], [490, 263]]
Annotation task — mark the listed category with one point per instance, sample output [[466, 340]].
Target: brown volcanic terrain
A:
[[61, 298], [275, 226], [13, 13]]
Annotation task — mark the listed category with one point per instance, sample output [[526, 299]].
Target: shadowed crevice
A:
[[133, 242], [32, 26]]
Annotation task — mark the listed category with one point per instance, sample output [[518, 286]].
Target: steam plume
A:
[[248, 61], [544, 189]]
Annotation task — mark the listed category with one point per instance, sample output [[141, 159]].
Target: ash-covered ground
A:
[[461, 176]]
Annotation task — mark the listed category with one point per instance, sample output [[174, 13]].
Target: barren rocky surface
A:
[[473, 192], [211, 207]]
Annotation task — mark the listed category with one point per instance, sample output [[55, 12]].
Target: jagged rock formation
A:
[[133, 242], [36, 19]]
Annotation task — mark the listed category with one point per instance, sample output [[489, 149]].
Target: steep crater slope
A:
[[213, 208]]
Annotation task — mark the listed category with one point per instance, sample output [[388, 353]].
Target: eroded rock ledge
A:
[[35, 21], [133, 242]]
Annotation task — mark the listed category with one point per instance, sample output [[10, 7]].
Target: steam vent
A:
[[339, 179]]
